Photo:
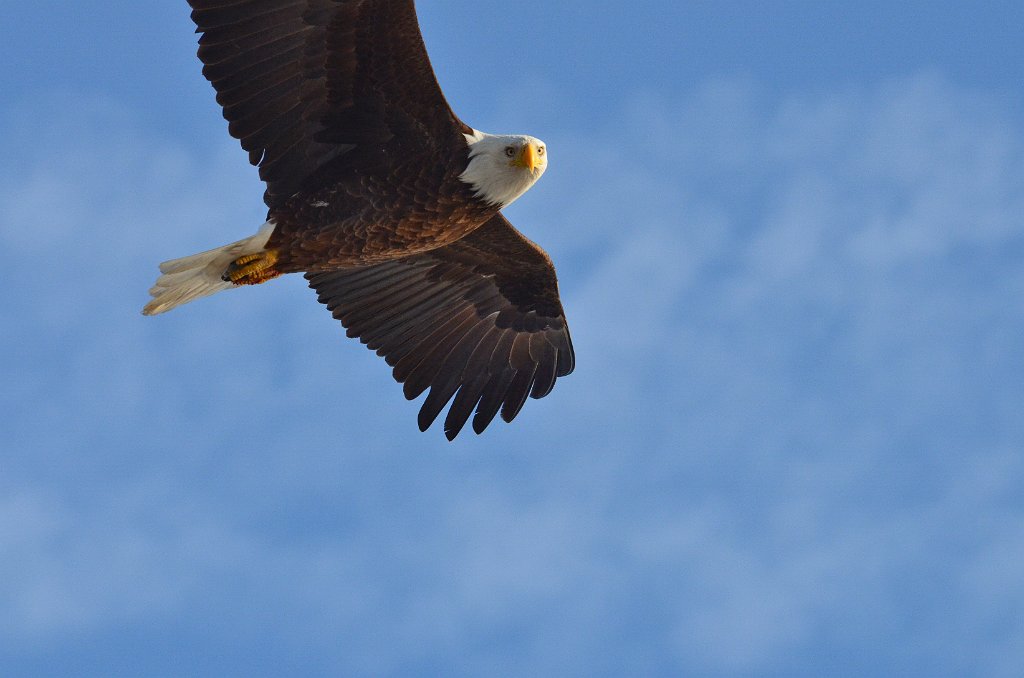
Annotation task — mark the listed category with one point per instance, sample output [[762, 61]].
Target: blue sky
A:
[[789, 242]]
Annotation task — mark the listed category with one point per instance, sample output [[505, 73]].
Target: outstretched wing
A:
[[303, 81], [479, 320]]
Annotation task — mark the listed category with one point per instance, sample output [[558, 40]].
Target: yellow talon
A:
[[241, 261], [252, 269]]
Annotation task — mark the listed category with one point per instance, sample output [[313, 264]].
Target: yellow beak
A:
[[527, 158]]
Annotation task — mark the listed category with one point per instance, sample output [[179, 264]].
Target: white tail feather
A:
[[199, 275]]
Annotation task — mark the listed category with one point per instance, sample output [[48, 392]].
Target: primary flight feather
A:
[[386, 201]]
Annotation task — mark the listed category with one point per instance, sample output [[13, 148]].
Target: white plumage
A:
[[495, 169], [199, 275]]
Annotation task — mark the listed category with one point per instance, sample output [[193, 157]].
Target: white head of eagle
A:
[[503, 167]]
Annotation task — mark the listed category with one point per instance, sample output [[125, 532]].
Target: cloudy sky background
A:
[[789, 242]]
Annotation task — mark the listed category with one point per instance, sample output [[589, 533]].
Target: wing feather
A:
[[517, 393], [493, 397], [301, 82]]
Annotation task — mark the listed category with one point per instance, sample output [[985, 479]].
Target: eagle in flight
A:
[[385, 200]]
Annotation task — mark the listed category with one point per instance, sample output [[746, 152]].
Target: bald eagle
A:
[[385, 200]]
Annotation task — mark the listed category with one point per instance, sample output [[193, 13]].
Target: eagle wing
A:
[[303, 81], [479, 320]]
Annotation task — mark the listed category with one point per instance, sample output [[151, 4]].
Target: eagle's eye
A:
[[540, 150], [510, 151]]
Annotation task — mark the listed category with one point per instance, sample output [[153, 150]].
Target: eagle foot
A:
[[252, 269]]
